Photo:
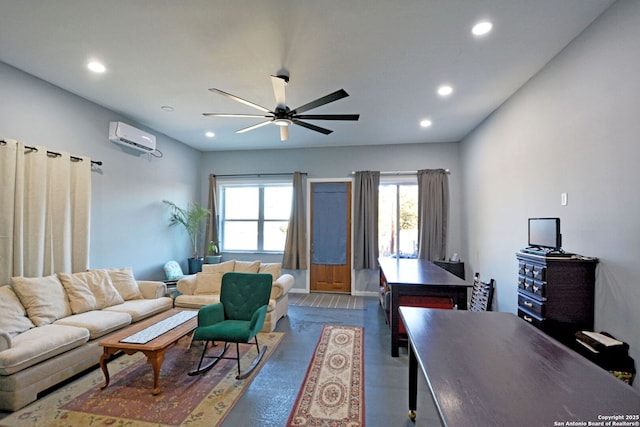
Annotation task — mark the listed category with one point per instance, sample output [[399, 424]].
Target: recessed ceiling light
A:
[[210, 134], [445, 90], [481, 28], [96, 67], [167, 108], [425, 123]]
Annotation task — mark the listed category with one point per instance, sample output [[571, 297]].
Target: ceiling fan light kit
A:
[[282, 116]]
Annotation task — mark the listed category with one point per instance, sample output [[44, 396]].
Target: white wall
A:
[[338, 163], [129, 222], [572, 128]]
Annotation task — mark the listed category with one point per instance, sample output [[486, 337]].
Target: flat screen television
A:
[[545, 233]]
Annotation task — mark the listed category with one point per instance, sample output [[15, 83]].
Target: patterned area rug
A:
[[327, 300], [202, 400], [332, 393]]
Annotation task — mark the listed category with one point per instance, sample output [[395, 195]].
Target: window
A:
[[255, 217], [398, 220]]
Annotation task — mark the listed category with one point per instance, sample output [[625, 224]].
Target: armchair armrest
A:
[[257, 320], [282, 286], [152, 289], [187, 285], [5, 341]]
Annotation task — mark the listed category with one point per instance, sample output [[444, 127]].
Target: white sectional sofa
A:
[[203, 288], [50, 326]]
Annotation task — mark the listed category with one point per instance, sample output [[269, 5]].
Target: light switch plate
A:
[[563, 199]]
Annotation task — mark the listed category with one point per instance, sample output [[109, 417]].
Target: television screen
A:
[[545, 233]]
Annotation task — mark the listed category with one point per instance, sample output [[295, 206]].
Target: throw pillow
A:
[[173, 271], [13, 319], [209, 280], [81, 298], [273, 268], [43, 298], [247, 266], [100, 285], [125, 283]]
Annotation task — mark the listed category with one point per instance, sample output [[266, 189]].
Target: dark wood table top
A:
[[409, 271], [494, 369]]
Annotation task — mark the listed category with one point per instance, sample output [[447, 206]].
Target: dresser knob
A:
[[528, 319], [528, 304]]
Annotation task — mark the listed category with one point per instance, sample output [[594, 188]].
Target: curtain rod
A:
[[55, 154], [243, 175], [400, 172]]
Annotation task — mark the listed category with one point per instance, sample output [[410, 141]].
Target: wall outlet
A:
[[563, 199]]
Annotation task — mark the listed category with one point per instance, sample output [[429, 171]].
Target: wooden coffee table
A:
[[154, 349]]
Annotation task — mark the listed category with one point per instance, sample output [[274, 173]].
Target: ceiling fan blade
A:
[[244, 101], [235, 115], [284, 133], [247, 129], [353, 117], [278, 90], [339, 94], [312, 127]]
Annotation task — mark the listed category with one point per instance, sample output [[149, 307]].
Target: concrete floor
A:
[[271, 396]]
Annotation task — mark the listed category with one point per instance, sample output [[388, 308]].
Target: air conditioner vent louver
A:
[[124, 134]]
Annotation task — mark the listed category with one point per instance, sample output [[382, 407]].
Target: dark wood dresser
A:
[[556, 294]]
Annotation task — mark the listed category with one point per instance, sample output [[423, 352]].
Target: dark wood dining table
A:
[[494, 369], [417, 277]]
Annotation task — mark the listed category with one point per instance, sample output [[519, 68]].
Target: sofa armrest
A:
[[282, 286], [152, 289], [5, 341], [187, 285]]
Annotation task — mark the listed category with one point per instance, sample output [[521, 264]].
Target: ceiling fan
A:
[[282, 115]]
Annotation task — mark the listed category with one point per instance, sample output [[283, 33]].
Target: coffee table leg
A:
[[106, 355], [155, 359], [413, 382]]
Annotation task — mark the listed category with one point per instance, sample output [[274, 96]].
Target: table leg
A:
[[394, 318], [413, 382], [155, 359], [106, 355]]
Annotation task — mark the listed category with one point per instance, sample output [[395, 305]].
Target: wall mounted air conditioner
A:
[[122, 133]]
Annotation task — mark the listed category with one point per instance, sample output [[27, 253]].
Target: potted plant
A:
[[214, 256], [191, 218]]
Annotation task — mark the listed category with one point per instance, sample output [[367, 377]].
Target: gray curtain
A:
[[212, 220], [365, 221], [295, 248], [45, 211], [433, 213]]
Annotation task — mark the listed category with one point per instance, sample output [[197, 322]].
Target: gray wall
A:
[[573, 128], [129, 221], [338, 163]]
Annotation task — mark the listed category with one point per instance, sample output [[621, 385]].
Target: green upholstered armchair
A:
[[236, 319]]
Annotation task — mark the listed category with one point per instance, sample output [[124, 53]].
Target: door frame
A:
[[308, 271]]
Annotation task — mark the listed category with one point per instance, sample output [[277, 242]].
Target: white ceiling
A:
[[389, 55]]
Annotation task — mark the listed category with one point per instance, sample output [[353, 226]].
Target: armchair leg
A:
[[202, 369]]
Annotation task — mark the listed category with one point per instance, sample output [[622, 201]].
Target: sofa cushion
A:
[[125, 283], [246, 266], [209, 280], [140, 309], [273, 268], [38, 344], [13, 317], [97, 322], [196, 301], [43, 298]]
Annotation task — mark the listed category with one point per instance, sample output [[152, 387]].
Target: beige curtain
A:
[[295, 248], [433, 213], [365, 236], [212, 233], [45, 204]]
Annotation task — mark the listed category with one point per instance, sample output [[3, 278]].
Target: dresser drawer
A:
[[529, 318], [531, 305]]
